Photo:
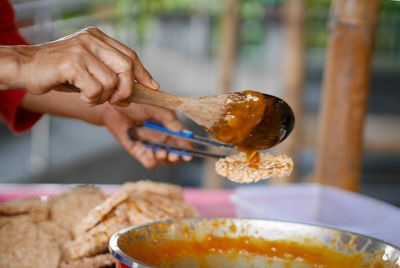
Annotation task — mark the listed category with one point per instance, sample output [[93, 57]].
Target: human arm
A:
[[116, 119]]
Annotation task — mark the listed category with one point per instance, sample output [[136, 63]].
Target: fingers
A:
[[138, 113], [140, 73], [121, 59], [86, 80], [104, 75], [174, 158], [162, 116], [118, 125], [143, 155], [161, 155], [109, 67], [118, 62], [149, 158], [77, 75], [95, 80], [169, 119]]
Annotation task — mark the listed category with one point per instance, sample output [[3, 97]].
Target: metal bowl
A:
[[306, 245]]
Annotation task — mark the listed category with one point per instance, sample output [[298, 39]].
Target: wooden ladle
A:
[[249, 120]]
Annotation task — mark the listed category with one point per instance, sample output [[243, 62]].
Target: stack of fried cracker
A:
[[73, 228]]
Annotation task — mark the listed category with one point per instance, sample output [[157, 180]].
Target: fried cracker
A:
[[95, 215], [139, 212], [239, 169], [68, 208], [128, 189], [98, 261], [24, 244], [190, 211], [60, 234], [95, 241], [34, 217], [144, 208], [136, 203], [22, 206], [160, 189]]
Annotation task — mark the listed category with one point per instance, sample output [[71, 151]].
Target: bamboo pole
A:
[[345, 92], [293, 74], [228, 49], [226, 61]]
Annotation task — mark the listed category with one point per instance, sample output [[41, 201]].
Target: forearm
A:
[[64, 104], [10, 70]]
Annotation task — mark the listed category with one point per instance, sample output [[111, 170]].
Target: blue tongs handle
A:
[[184, 134], [188, 135], [161, 128]]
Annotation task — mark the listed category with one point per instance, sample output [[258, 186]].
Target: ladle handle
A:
[[145, 95]]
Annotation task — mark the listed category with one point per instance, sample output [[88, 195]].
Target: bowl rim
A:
[[127, 260]]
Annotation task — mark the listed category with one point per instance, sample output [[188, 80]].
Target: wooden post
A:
[[226, 60], [293, 74], [228, 48], [345, 92]]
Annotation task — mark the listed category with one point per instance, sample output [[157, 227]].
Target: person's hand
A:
[[102, 68], [119, 120]]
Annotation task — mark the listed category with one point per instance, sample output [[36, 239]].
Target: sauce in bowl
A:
[[241, 243], [250, 250]]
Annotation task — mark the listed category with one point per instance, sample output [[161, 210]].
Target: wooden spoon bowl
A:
[[250, 120]]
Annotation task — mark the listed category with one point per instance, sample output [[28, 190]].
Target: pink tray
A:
[[210, 203]]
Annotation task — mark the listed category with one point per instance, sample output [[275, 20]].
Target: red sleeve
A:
[[17, 119]]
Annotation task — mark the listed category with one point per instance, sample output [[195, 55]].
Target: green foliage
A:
[[317, 14], [251, 32], [388, 31], [168, 7], [141, 13], [252, 10], [387, 34]]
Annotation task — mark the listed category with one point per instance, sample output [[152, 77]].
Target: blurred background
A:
[[181, 42]]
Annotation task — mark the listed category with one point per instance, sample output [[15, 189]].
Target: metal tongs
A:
[[184, 134]]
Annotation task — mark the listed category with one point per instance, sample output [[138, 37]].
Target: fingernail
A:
[[155, 84], [187, 158], [175, 126], [161, 155], [173, 157]]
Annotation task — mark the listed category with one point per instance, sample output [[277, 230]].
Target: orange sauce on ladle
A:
[[244, 111]]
